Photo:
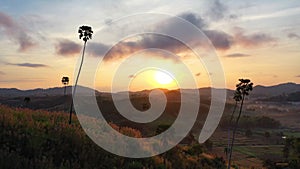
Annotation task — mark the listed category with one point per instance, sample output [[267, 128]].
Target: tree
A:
[[242, 90], [237, 97], [65, 82], [26, 100], [85, 33]]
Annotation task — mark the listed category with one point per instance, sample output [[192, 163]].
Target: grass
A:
[[44, 140], [261, 152]]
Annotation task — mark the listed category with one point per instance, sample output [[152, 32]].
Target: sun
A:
[[163, 78]]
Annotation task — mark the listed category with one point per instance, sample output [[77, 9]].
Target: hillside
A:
[[268, 91], [56, 91], [44, 140], [290, 97]]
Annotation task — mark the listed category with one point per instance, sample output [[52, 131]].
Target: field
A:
[[261, 141]]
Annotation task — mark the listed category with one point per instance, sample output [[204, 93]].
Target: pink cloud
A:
[[252, 40], [67, 48], [16, 33]]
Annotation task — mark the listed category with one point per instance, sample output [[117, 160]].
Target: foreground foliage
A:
[[44, 140]]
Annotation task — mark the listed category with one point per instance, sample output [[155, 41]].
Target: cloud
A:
[[219, 39], [131, 76], [297, 76], [31, 65], [222, 40], [252, 40], [150, 43], [293, 35], [235, 55], [97, 49], [16, 32], [194, 19], [67, 48], [2, 73], [216, 10], [233, 16], [162, 42]]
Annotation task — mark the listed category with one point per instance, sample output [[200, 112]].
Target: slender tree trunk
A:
[[65, 89], [76, 81], [229, 127], [232, 115], [234, 131]]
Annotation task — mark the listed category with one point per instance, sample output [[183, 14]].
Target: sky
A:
[[255, 39]]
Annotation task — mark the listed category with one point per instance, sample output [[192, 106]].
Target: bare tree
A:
[[85, 33], [65, 82], [242, 90]]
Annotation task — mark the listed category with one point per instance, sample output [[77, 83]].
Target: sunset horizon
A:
[[37, 49], [163, 84]]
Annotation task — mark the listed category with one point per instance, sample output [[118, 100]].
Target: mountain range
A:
[[280, 89], [258, 91]]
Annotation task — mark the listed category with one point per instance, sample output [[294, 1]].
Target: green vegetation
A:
[[247, 122], [44, 140], [290, 153]]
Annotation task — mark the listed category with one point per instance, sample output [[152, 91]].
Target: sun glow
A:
[[163, 78], [151, 79]]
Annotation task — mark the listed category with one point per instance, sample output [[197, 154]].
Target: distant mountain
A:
[[291, 97], [56, 91], [280, 89], [258, 91]]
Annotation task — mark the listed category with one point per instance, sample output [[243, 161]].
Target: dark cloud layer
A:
[[235, 55], [30, 65], [67, 47], [194, 19], [220, 40], [16, 32], [224, 41], [147, 42]]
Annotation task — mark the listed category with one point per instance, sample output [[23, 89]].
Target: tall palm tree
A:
[[242, 90], [85, 33], [237, 97], [65, 82]]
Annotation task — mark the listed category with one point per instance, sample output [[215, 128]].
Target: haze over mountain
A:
[[56, 91], [268, 91], [258, 91]]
